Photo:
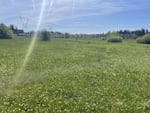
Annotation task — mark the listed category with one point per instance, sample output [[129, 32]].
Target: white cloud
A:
[[61, 9]]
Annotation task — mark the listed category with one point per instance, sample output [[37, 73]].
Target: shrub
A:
[[5, 32], [45, 35], [114, 37], [144, 39]]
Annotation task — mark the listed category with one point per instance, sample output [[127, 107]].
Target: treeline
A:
[[69, 35], [15, 30], [126, 34]]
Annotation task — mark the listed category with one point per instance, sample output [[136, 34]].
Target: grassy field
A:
[[68, 76]]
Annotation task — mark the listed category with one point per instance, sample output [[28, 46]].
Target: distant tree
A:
[[143, 32], [140, 32], [97, 35], [12, 27], [45, 35], [77, 36], [5, 32], [146, 31], [16, 30], [127, 34], [67, 35]]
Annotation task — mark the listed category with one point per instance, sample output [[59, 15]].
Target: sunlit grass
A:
[[69, 76]]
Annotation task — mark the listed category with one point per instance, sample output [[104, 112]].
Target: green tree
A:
[[5, 32], [67, 35], [45, 35]]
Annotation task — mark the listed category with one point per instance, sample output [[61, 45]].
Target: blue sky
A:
[[77, 16]]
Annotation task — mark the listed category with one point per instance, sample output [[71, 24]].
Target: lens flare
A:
[[31, 46]]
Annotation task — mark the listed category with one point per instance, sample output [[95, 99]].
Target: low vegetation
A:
[[145, 39], [5, 32], [113, 37], [69, 76]]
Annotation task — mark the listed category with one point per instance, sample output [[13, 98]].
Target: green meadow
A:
[[75, 76]]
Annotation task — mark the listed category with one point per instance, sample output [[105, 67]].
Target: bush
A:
[[113, 37], [5, 32], [145, 39], [45, 35]]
